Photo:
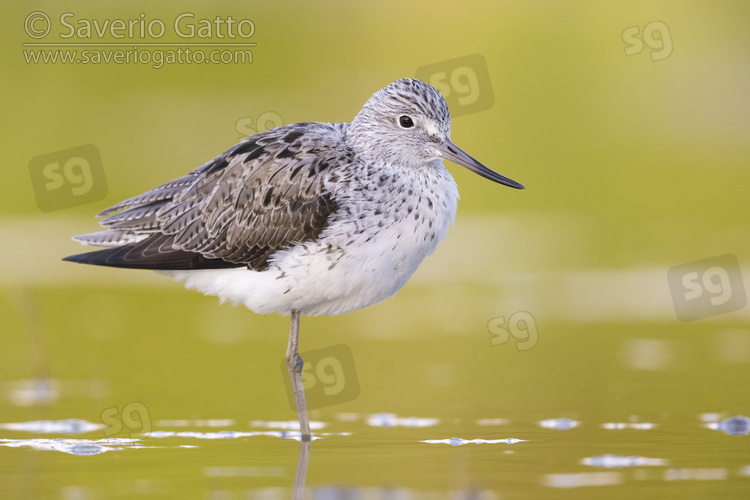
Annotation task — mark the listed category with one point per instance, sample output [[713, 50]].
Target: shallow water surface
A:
[[641, 409], [351, 458]]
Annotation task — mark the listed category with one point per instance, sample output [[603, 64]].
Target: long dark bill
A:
[[456, 155]]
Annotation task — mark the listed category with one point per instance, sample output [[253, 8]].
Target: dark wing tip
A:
[[97, 258], [134, 257]]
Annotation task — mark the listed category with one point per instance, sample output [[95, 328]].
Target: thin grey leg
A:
[[298, 491], [294, 365]]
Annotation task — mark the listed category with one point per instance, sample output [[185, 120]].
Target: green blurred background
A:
[[632, 164]]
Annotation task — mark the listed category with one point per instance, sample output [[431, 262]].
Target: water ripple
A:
[[579, 479], [295, 435], [68, 426], [72, 446], [458, 441], [562, 424], [493, 421], [288, 425], [631, 425], [622, 461], [391, 420]]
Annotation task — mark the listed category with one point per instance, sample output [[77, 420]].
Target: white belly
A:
[[345, 269]]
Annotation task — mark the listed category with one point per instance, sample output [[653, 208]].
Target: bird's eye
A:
[[405, 121]]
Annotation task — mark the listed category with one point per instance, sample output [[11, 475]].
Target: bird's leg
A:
[[294, 365], [298, 491]]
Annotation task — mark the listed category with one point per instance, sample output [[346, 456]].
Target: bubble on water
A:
[[735, 426], [562, 424]]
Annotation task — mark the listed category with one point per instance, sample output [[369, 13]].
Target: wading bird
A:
[[304, 219]]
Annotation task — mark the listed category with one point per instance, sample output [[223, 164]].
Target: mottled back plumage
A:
[[263, 194]]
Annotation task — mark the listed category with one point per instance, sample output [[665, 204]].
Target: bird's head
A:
[[408, 123]]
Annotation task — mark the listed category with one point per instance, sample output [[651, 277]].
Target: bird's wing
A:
[[264, 194]]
